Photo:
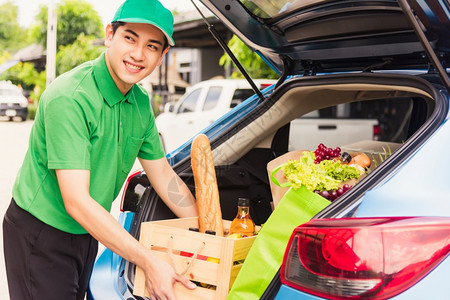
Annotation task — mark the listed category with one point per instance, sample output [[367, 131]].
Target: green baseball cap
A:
[[147, 11]]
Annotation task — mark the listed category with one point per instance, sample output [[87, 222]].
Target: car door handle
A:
[[327, 127]]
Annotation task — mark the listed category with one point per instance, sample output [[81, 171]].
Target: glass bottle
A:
[[243, 222]]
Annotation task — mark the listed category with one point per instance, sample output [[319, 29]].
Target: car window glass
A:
[[212, 97], [241, 95], [189, 103], [269, 9], [9, 92]]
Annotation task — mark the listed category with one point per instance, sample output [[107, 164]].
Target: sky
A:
[[105, 8]]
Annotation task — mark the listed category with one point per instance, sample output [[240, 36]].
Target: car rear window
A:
[[212, 97], [241, 95], [270, 9], [190, 102]]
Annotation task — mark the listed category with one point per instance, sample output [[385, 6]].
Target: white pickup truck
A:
[[310, 130], [206, 101]]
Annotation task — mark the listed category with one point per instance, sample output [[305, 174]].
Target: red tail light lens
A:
[[376, 132], [124, 189], [365, 258], [265, 85]]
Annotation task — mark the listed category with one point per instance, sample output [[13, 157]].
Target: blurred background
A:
[[27, 60]]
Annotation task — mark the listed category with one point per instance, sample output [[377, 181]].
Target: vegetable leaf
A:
[[317, 177]]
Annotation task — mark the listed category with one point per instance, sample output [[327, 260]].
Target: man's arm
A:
[[169, 186], [160, 276]]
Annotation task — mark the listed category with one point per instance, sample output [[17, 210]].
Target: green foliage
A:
[[250, 60], [12, 36], [24, 74], [80, 51], [74, 17], [78, 26], [156, 103], [32, 111]]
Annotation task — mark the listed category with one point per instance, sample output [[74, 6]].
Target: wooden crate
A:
[[172, 236]]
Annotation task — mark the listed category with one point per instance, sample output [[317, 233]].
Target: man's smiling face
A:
[[134, 50]]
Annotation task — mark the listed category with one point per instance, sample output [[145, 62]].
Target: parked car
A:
[[202, 104], [12, 101], [389, 235]]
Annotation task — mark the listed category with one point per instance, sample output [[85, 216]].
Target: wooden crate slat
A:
[[199, 293], [201, 271], [181, 239], [234, 272]]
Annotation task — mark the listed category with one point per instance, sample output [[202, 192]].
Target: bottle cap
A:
[[345, 157], [210, 232], [243, 202]]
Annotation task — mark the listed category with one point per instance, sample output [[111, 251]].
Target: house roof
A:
[[30, 53], [191, 31]]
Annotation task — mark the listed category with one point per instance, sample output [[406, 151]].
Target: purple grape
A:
[[346, 187], [340, 191], [325, 194], [333, 195]]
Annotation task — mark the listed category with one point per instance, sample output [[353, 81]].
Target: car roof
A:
[[335, 35]]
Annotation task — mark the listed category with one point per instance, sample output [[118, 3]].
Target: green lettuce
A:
[[317, 177]]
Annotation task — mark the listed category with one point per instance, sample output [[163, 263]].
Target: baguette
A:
[[206, 190]]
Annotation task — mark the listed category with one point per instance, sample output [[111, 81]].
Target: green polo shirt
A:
[[84, 122]]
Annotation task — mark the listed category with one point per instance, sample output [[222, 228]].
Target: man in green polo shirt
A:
[[91, 124]]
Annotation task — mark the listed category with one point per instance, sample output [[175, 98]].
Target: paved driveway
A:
[[13, 145]]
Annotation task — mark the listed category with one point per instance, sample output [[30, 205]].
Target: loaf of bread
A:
[[206, 190]]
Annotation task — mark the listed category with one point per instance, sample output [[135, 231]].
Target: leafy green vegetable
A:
[[339, 171], [323, 176]]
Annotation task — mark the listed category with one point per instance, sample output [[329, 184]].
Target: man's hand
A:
[[160, 278]]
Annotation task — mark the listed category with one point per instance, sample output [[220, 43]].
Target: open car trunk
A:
[[405, 106]]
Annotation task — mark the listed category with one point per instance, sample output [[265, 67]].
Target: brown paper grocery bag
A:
[[278, 191]]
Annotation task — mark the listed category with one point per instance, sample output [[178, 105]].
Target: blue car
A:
[[388, 237]]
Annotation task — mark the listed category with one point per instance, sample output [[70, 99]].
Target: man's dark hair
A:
[[117, 24]]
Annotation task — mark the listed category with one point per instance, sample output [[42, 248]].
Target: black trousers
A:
[[43, 262]]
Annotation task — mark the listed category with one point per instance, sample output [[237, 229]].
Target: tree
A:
[[12, 36], [69, 56], [250, 60], [74, 17], [24, 74], [78, 27]]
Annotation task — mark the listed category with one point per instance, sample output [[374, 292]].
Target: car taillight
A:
[[376, 132], [364, 258], [265, 85], [125, 187]]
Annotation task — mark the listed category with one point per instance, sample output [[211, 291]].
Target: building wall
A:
[[195, 65], [210, 63]]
